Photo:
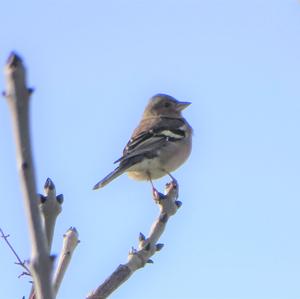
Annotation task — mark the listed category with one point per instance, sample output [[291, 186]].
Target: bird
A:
[[160, 144]]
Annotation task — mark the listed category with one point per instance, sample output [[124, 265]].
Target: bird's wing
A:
[[149, 141]]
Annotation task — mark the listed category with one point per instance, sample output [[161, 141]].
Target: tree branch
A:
[[147, 247], [69, 244], [19, 261], [17, 95]]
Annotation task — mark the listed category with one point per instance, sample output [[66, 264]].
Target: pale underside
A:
[[165, 162]]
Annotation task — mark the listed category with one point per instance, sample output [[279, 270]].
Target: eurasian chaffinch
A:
[[160, 144]]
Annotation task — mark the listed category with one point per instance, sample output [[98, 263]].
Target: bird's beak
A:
[[182, 105]]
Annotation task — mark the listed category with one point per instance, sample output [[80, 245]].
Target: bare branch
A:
[[147, 247], [20, 262], [69, 244], [17, 95]]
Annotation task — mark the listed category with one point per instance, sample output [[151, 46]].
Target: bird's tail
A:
[[111, 176]]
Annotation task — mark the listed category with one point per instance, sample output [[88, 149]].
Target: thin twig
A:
[[23, 274], [20, 262]]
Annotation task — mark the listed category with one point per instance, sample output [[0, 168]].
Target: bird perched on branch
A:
[[160, 144]]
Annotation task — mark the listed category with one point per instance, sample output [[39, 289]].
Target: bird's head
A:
[[164, 105]]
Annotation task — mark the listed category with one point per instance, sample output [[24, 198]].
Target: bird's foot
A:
[[174, 181], [173, 184], [172, 187], [157, 196]]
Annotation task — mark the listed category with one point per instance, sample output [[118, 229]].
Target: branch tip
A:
[[13, 59], [49, 185], [73, 229]]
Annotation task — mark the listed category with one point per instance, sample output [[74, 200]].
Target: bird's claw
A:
[[172, 185], [157, 196]]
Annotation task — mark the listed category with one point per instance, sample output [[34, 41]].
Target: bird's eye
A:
[[167, 105]]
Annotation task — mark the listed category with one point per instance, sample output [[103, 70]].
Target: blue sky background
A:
[[94, 64]]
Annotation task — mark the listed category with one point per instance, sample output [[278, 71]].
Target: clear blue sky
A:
[[94, 64]]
